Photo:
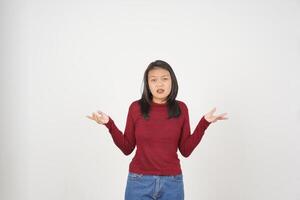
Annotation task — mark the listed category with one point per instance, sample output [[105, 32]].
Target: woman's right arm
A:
[[125, 142]]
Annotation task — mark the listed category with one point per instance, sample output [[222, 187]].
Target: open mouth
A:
[[160, 91]]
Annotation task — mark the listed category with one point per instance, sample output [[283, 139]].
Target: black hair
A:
[[146, 99]]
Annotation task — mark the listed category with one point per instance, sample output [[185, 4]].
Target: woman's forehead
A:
[[158, 72]]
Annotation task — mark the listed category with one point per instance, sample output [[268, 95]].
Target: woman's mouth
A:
[[160, 91]]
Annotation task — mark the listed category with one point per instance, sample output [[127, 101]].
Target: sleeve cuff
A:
[[109, 123], [204, 122]]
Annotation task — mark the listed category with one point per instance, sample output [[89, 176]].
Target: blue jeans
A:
[[154, 187]]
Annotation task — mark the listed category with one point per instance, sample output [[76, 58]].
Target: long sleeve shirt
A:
[[157, 138]]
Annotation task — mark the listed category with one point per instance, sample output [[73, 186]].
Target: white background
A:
[[62, 60]]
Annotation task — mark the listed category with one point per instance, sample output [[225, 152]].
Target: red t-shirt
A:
[[157, 138]]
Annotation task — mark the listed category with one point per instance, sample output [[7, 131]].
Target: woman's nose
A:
[[159, 83]]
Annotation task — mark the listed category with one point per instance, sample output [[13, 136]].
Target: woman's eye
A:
[[165, 79], [153, 80]]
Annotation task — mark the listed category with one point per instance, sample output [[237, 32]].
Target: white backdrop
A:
[[62, 60]]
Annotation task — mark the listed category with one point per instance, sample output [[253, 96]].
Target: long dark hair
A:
[[146, 99]]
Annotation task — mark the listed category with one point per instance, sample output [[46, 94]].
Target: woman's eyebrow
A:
[[160, 76]]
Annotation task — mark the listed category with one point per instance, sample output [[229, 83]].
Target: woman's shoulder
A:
[[134, 104], [181, 104]]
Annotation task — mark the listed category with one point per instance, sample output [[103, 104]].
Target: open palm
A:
[[210, 117], [99, 117]]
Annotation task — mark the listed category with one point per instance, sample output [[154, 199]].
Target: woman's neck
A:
[[158, 101]]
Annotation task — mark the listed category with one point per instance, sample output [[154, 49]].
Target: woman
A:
[[158, 125]]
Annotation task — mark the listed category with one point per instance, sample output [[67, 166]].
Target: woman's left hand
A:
[[213, 118]]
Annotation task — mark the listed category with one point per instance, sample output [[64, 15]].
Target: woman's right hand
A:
[[99, 117]]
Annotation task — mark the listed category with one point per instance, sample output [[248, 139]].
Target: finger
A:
[[102, 115], [89, 117], [223, 114], [98, 117], [100, 112], [95, 116], [213, 110], [219, 116], [222, 118]]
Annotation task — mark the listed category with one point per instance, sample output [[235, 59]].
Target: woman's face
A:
[[160, 84]]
